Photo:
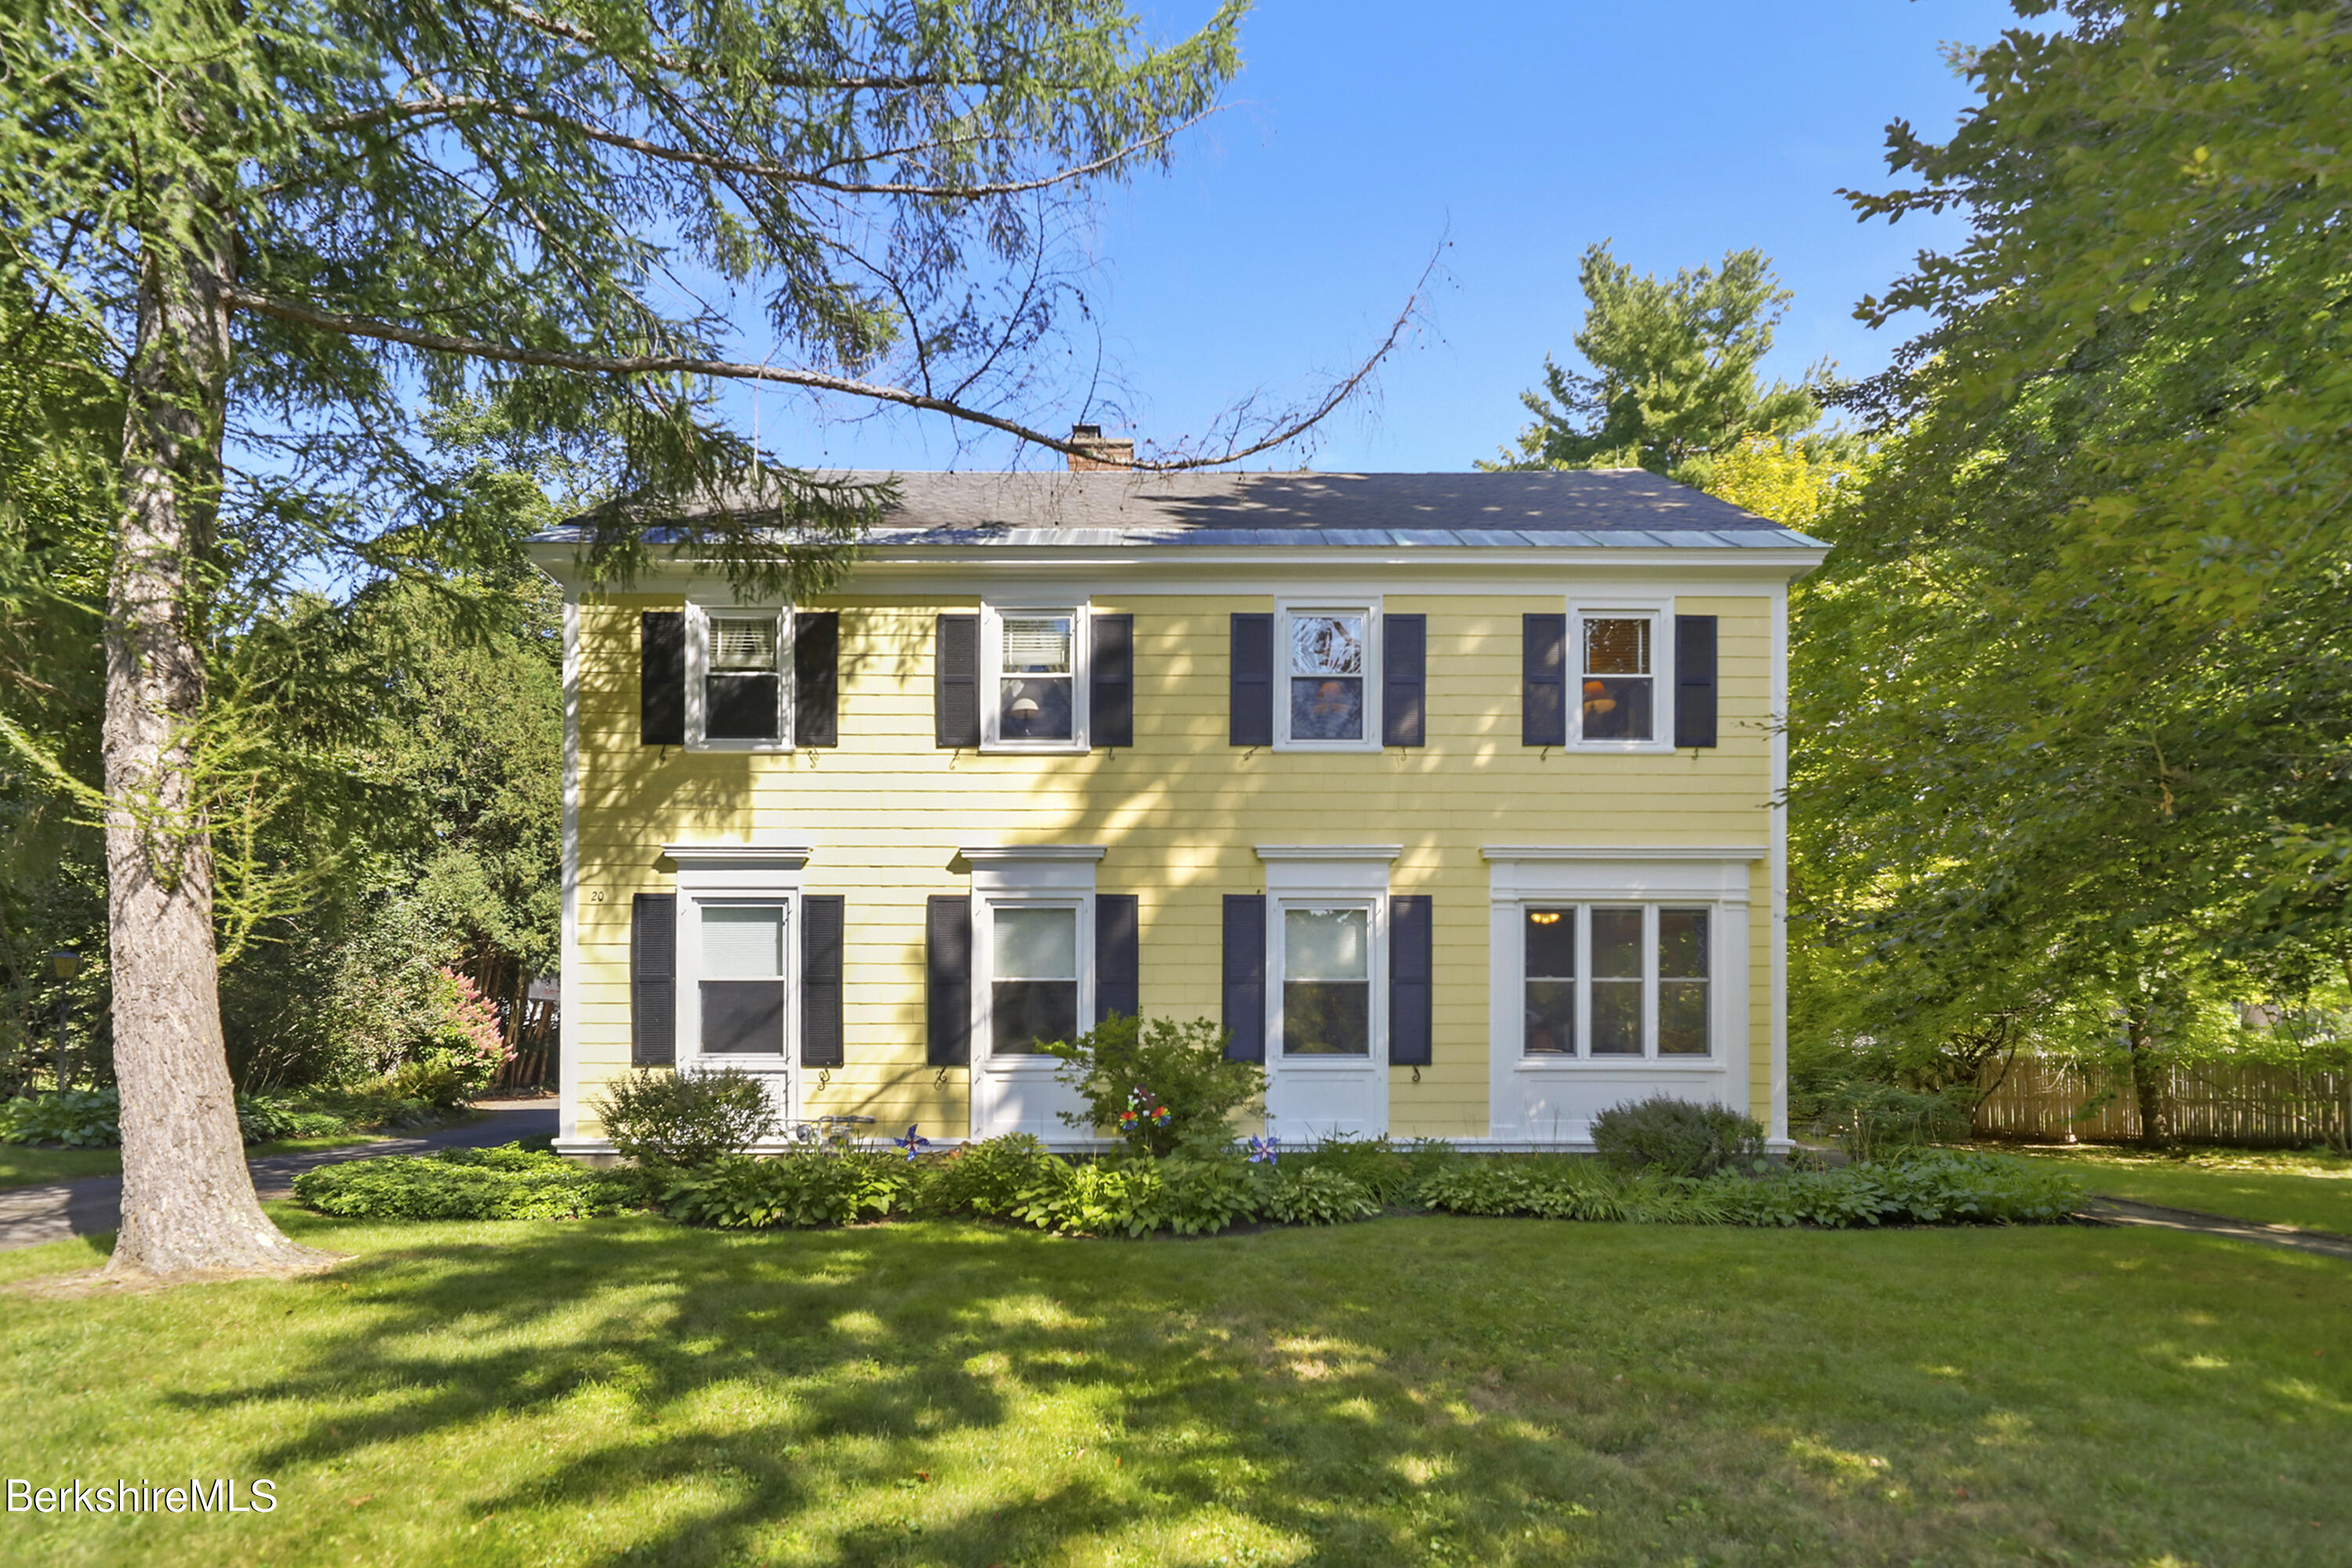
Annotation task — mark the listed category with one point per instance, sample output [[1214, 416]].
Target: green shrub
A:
[[1388, 1171], [1171, 1082], [797, 1190], [1570, 1187], [268, 1121], [1202, 1193], [1675, 1137], [1294, 1193], [1939, 1187], [431, 1081], [92, 1119], [76, 1117], [988, 1178], [1876, 1121], [509, 1183], [687, 1119], [1096, 1199]]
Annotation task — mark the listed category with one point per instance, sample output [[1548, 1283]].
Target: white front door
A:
[[1326, 1061]]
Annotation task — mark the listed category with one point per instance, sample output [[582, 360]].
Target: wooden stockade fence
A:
[[2253, 1103]]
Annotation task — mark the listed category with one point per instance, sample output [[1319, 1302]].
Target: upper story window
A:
[[1329, 661], [1035, 688], [738, 693], [1617, 676]]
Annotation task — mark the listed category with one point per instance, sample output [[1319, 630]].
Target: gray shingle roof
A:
[[1621, 507]]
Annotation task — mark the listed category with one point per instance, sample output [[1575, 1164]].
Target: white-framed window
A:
[[1036, 973], [739, 677], [1034, 678], [1327, 657], [1328, 978], [1616, 982], [743, 973], [1620, 657]]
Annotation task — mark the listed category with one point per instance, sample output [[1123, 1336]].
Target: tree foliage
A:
[[2074, 694], [1675, 377], [285, 228]]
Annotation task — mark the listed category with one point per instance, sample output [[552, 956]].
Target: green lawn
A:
[[2312, 1192], [1408, 1391], [27, 1167]]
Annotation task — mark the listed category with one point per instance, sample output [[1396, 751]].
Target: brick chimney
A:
[[1098, 453]]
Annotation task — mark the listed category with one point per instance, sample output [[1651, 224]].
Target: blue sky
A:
[[1363, 135]]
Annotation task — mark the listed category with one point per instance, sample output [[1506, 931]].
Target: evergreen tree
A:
[[286, 220], [1674, 380]]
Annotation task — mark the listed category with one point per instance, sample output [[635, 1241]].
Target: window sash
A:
[[1617, 676], [737, 678], [1328, 663], [1032, 697]]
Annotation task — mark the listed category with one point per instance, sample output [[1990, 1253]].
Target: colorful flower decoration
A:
[[1264, 1151], [914, 1142]]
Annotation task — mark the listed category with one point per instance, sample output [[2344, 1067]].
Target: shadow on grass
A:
[[1402, 1391]]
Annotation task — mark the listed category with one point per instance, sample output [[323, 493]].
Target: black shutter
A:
[[955, 683], [1405, 657], [1118, 974], [821, 921], [1111, 682], [1253, 681], [947, 955], [1543, 680], [1410, 968], [816, 679], [1693, 680], [1245, 975], [661, 678], [652, 979]]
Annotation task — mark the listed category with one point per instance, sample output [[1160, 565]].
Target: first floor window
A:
[[1327, 667], [1034, 988], [1551, 949], [742, 978], [1617, 983], [1037, 675], [1628, 981], [1617, 674], [1682, 983], [741, 697], [1327, 982]]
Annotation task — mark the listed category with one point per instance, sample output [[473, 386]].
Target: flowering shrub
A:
[[466, 1034]]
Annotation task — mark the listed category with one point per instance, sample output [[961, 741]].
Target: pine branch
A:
[[436, 110]]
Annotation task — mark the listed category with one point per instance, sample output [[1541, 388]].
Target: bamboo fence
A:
[[2247, 1103]]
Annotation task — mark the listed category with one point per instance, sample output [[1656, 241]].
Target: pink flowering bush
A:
[[467, 1036]]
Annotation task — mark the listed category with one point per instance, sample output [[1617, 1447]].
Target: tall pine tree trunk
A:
[[188, 1203]]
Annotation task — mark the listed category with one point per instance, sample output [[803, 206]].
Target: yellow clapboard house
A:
[[1450, 796]]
